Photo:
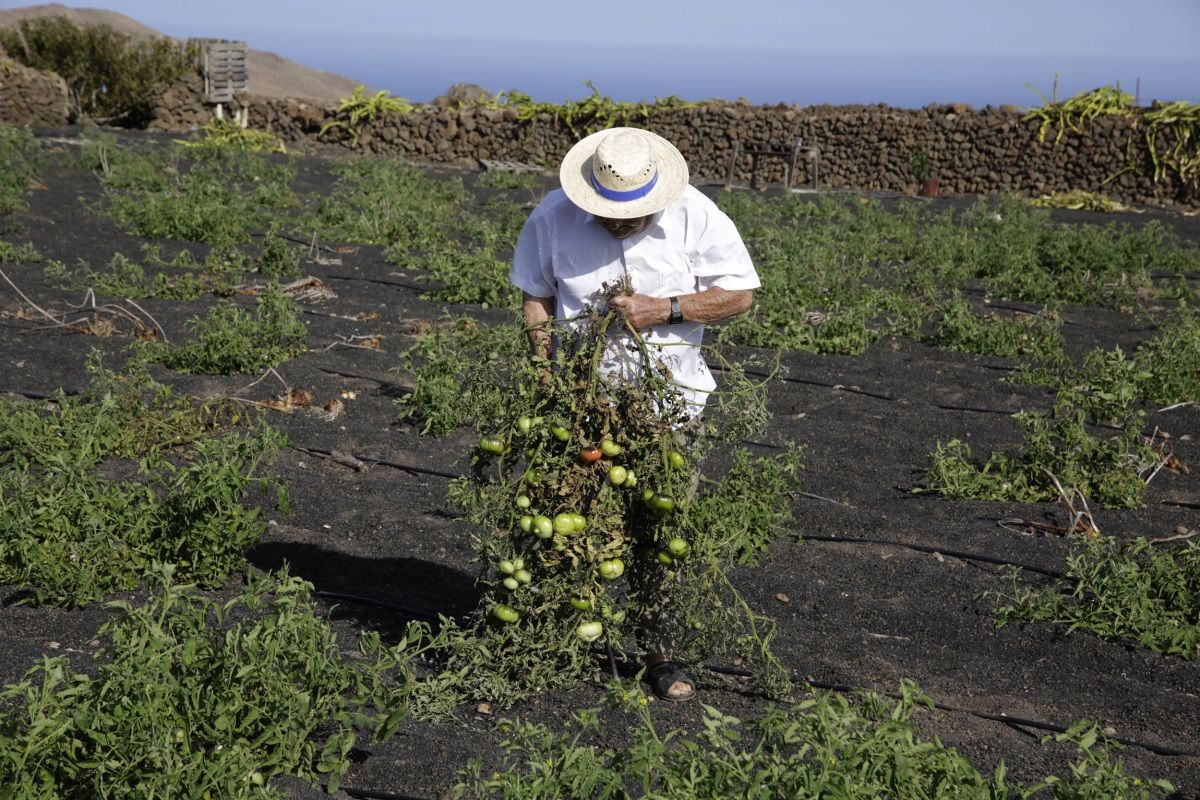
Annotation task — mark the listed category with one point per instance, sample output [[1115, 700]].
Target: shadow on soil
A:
[[426, 588]]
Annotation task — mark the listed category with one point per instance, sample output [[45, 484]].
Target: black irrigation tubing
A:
[[1008, 719], [409, 611], [375, 794], [408, 286], [922, 548], [381, 462], [838, 386], [380, 381], [45, 395], [976, 410], [1178, 503]]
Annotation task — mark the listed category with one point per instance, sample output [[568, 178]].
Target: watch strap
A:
[[676, 315]]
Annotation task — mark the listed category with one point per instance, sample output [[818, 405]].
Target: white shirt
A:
[[690, 246]]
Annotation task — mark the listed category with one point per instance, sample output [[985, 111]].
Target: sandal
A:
[[665, 674]]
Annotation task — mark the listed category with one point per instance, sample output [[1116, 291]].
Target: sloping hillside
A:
[[271, 75]]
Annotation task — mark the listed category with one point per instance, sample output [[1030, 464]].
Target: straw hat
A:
[[621, 173]]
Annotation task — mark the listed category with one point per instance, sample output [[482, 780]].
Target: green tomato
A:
[[523, 501], [512, 584], [589, 631], [676, 459], [560, 431], [617, 475], [564, 523], [580, 521], [660, 502], [618, 616], [526, 523], [256, 778], [647, 494], [630, 479], [543, 528], [678, 547], [610, 448], [523, 576], [492, 444], [507, 567], [505, 613], [518, 563], [665, 559], [524, 423], [580, 603], [611, 569]]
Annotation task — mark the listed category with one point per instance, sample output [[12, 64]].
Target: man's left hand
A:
[[642, 310]]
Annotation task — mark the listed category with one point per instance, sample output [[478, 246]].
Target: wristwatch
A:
[[676, 315]]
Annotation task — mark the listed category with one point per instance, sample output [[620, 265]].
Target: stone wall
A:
[[30, 97], [972, 151], [862, 147]]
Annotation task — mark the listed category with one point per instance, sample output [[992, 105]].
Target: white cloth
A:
[[690, 246]]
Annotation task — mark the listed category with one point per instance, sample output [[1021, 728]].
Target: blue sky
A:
[[903, 52]]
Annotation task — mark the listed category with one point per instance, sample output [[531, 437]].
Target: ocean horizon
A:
[[421, 68]]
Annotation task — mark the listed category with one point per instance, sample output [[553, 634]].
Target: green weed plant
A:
[[1132, 592], [358, 110], [825, 747], [101, 486], [426, 224], [233, 341], [1036, 337], [219, 194], [592, 113], [452, 353], [183, 277], [838, 275], [198, 697], [21, 164], [1063, 445], [223, 135]]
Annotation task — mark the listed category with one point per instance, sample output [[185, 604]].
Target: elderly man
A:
[[626, 211]]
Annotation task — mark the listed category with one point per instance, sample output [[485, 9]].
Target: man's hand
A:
[[642, 310]]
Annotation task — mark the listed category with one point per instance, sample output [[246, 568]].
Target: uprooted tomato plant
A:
[[596, 523]]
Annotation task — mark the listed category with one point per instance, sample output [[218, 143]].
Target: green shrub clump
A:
[[199, 697], [1058, 449], [232, 341], [95, 491], [1036, 337], [1134, 592], [110, 76], [824, 747], [20, 165]]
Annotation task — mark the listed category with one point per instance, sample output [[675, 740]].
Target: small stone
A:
[[783, 598], [1181, 529], [483, 708], [1109, 730], [53, 645]]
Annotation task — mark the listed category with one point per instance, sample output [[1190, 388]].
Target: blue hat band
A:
[[624, 197]]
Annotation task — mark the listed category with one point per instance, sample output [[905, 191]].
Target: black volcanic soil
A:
[[862, 614]]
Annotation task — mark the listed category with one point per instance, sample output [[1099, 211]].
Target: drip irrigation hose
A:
[[939, 550], [368, 601], [1005, 718], [374, 794], [382, 462]]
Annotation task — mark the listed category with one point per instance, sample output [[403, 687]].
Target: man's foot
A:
[[668, 681]]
